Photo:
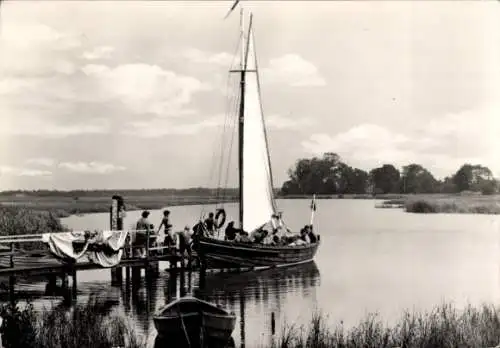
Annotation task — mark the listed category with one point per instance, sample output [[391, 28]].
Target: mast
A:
[[241, 119]]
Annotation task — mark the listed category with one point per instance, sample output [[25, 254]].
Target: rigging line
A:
[[231, 144], [229, 149], [223, 141], [213, 162], [227, 117]]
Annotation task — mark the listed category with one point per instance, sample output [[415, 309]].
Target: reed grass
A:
[[443, 327], [64, 206], [457, 205], [85, 325]]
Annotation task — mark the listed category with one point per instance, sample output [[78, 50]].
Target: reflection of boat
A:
[[265, 292], [194, 318], [274, 278], [257, 206]]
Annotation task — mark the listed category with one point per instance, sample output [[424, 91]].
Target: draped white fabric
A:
[[109, 246], [62, 244], [111, 253], [258, 201]]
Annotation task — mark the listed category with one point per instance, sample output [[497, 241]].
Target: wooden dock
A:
[[18, 262]]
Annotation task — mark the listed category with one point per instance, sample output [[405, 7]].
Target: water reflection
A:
[[254, 296], [260, 296]]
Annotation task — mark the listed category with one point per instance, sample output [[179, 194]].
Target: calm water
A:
[[370, 260]]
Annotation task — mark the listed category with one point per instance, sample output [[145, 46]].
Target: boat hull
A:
[[194, 321], [218, 254]]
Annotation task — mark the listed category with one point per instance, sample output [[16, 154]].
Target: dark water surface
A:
[[370, 260]]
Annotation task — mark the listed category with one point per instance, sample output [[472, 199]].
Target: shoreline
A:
[[64, 206]]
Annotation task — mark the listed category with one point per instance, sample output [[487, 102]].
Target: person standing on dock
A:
[[165, 221], [144, 226]]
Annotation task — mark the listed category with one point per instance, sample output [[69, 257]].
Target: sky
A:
[[126, 94]]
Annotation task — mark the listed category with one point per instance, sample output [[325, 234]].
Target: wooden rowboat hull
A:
[[194, 318], [219, 254]]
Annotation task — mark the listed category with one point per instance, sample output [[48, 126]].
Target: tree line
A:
[[329, 175]]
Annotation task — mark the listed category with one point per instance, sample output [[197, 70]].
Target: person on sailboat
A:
[[230, 232], [210, 224]]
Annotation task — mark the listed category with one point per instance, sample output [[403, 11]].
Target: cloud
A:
[[46, 128], [442, 145], [100, 52], [91, 167], [287, 123], [35, 172], [202, 57], [16, 171], [144, 88], [294, 70], [159, 127], [30, 49], [41, 161]]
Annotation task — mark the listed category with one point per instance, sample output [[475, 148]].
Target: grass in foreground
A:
[[92, 326], [443, 327], [84, 326]]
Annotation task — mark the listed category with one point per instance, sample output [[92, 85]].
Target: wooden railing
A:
[[11, 246]]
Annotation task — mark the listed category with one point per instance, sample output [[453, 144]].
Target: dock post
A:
[[273, 324], [74, 284], [12, 278], [136, 277], [116, 275], [116, 213]]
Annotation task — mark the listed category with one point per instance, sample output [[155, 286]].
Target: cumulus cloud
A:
[[30, 49], [35, 172], [18, 171], [159, 127], [144, 88], [442, 145], [91, 167], [41, 161], [100, 52], [294, 70], [287, 123], [198, 56], [46, 128]]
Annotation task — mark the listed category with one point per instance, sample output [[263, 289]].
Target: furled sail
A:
[[258, 199]]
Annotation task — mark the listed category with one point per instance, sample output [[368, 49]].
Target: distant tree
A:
[[447, 185], [385, 179], [474, 178], [416, 179]]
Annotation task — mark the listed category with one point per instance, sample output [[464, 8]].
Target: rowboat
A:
[[192, 320], [257, 206]]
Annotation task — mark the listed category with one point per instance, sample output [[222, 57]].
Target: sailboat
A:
[[257, 206]]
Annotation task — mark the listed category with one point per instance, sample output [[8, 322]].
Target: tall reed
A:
[[443, 327], [85, 325]]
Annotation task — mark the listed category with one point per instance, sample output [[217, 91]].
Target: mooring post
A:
[[74, 288], [273, 324], [12, 278], [116, 224]]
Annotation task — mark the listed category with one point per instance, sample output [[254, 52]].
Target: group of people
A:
[[182, 242], [279, 235], [174, 241]]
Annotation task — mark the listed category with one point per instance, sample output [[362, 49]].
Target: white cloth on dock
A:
[[61, 244], [107, 251], [112, 251]]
